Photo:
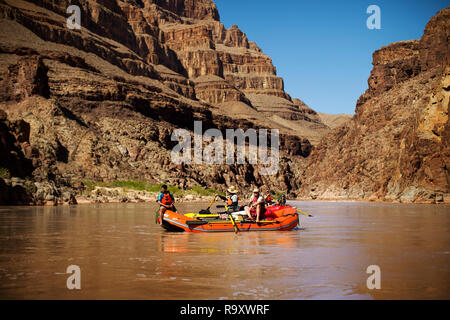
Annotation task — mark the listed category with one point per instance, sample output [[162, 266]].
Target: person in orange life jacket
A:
[[166, 201], [232, 199], [256, 208]]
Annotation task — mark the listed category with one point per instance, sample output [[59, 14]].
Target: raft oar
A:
[[207, 211], [236, 229], [214, 199], [306, 214]]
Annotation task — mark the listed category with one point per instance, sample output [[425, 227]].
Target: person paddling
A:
[[256, 208], [166, 201], [232, 199]]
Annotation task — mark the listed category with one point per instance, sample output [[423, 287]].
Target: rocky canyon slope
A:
[[101, 103], [396, 148]]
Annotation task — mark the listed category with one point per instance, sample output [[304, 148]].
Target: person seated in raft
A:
[[282, 200], [269, 198], [256, 208], [166, 201], [232, 199]]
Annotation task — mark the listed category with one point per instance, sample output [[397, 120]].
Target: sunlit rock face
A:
[[102, 102], [396, 147]]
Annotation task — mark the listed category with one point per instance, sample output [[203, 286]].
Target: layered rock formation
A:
[[396, 148], [20, 161], [102, 102]]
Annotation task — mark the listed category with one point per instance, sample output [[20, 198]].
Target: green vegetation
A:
[[204, 192], [4, 173], [127, 185], [145, 186], [278, 194]]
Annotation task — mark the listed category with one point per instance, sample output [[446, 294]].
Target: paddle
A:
[[214, 199], [236, 229], [306, 214], [207, 211]]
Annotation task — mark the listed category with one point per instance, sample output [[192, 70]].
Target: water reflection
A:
[[123, 254], [226, 243]]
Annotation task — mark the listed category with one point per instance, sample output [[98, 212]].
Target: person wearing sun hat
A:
[[232, 199]]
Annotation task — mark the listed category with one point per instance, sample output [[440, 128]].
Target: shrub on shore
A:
[[145, 186], [4, 173]]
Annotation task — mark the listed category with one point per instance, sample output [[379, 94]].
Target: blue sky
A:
[[323, 49]]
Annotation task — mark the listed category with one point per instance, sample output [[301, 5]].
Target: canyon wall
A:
[[101, 103], [396, 148]]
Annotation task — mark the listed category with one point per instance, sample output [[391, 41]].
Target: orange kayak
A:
[[284, 218]]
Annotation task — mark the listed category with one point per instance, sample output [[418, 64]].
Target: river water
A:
[[123, 254]]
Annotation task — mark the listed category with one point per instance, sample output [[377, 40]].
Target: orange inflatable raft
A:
[[284, 218]]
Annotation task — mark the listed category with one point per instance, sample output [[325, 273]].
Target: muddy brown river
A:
[[123, 254]]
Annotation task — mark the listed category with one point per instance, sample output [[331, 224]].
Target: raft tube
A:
[[285, 218]]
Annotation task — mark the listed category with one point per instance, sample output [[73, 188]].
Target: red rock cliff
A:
[[396, 147], [101, 102]]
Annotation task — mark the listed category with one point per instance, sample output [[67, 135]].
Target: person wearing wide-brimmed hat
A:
[[256, 208], [232, 199]]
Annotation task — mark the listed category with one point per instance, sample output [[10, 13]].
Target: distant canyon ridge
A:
[[101, 103]]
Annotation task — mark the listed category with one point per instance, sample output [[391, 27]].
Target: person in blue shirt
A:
[[282, 200], [166, 201]]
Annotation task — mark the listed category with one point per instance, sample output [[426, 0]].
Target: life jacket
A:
[[268, 199], [230, 202], [167, 199]]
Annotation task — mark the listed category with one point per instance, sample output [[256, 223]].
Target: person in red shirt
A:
[[256, 206]]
